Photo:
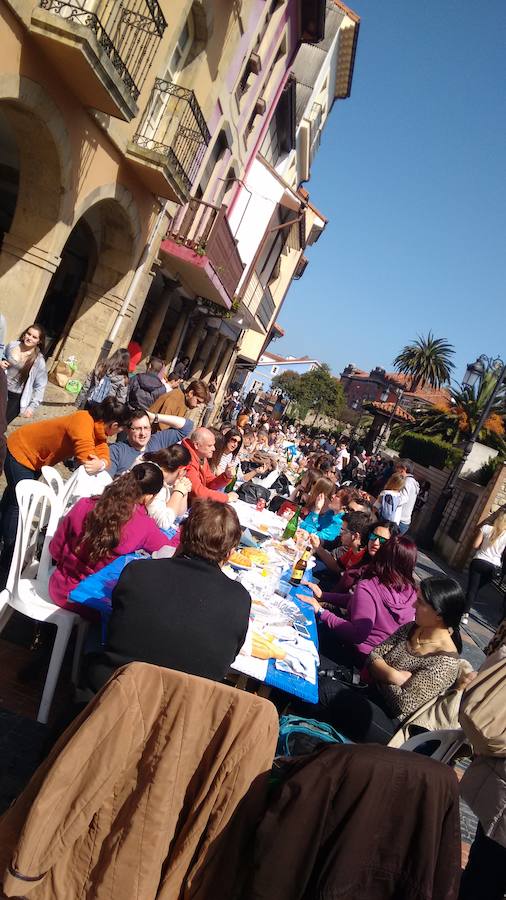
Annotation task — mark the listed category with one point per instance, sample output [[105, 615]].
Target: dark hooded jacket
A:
[[144, 389]]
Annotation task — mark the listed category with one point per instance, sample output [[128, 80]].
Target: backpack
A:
[[389, 504], [250, 492], [101, 390], [298, 736]]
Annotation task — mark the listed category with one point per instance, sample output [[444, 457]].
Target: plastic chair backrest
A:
[[440, 745], [70, 490], [53, 478], [34, 499]]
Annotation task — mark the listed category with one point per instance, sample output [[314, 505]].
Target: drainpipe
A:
[[130, 294]]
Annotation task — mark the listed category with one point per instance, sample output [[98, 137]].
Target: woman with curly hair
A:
[[98, 529]]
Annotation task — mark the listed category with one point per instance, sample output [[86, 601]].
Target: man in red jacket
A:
[[204, 483]]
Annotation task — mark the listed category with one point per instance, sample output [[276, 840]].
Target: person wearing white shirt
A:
[[409, 494], [171, 502], [343, 457], [490, 544]]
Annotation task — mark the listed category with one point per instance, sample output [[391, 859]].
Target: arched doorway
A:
[[78, 261], [9, 176], [86, 289]]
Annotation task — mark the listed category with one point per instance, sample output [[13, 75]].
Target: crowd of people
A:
[[388, 645]]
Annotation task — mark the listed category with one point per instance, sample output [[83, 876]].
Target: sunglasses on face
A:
[[376, 537]]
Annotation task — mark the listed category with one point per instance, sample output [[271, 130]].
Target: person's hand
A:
[[315, 541], [317, 591], [400, 676], [311, 600], [319, 502], [4, 364], [229, 472], [465, 680], [232, 497], [94, 465], [183, 484], [27, 413]]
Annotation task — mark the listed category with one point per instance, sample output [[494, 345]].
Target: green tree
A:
[[321, 392], [288, 383], [456, 418], [427, 361]]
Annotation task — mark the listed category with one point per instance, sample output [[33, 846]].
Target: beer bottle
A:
[[292, 525], [300, 567]]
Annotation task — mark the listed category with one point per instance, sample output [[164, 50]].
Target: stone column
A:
[[223, 375], [205, 352], [214, 357], [25, 273], [156, 322], [195, 333], [176, 335]]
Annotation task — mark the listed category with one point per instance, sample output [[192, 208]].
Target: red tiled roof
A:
[[428, 394], [278, 328], [387, 409]]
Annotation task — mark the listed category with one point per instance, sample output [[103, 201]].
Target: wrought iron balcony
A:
[[172, 138], [116, 41], [200, 248]]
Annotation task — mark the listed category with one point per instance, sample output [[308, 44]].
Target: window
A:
[[182, 48]]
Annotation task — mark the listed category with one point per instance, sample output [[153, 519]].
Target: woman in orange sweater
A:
[[82, 435]]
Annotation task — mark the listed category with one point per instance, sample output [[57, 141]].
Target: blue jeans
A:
[[9, 510], [403, 527]]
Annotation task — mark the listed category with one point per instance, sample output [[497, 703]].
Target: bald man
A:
[[206, 485]]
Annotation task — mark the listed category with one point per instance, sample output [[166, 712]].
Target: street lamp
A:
[[474, 376]]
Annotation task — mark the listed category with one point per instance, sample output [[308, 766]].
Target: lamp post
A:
[[473, 378], [384, 397]]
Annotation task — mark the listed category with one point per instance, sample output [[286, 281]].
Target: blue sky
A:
[[412, 175]]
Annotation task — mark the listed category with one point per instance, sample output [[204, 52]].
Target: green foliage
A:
[[317, 390], [427, 361], [487, 471], [429, 451]]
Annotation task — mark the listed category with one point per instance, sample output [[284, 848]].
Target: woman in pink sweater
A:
[[99, 529], [378, 606]]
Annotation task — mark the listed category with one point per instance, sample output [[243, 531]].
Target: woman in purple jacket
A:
[[98, 529], [379, 605]]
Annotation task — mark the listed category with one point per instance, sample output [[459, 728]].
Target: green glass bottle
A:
[[231, 485], [292, 525]]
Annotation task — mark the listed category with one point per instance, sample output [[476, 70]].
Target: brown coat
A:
[[362, 822], [171, 404], [135, 799]]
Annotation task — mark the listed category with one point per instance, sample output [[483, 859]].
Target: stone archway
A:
[[111, 220], [37, 173]]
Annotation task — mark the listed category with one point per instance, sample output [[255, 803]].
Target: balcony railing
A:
[[174, 128], [128, 32], [204, 228]]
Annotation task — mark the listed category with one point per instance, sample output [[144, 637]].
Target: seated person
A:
[[416, 663], [380, 603], [139, 439], [171, 503], [180, 402], [325, 516], [145, 387], [352, 549], [298, 497], [206, 485], [99, 529], [183, 613], [378, 533], [227, 447]]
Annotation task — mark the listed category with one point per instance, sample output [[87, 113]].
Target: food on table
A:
[[264, 647], [263, 527], [239, 558], [258, 557]]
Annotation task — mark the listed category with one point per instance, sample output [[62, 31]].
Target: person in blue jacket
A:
[[25, 368], [325, 517], [139, 439]]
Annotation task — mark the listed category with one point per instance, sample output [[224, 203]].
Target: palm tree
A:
[[427, 361], [456, 418]]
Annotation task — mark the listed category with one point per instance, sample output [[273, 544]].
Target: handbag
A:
[[483, 709], [250, 492]]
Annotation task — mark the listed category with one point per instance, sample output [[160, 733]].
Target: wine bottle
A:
[[300, 567], [292, 525], [231, 485]]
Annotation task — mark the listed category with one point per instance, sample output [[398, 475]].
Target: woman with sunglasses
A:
[[227, 450], [374, 536], [379, 605], [417, 663]]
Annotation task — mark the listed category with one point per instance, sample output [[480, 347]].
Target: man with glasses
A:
[[140, 439]]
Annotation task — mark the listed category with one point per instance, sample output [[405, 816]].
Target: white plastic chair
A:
[[29, 595], [446, 743], [53, 478]]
